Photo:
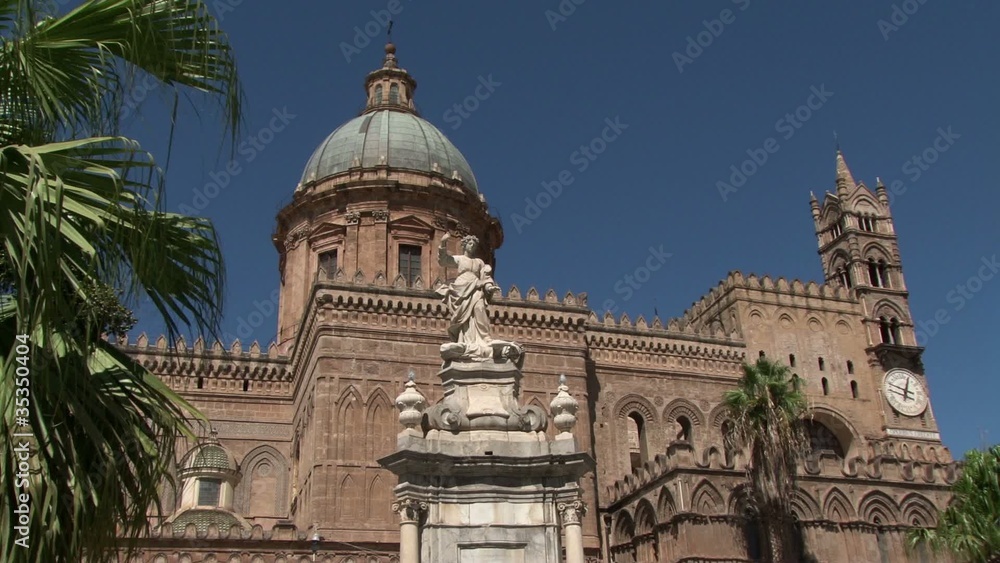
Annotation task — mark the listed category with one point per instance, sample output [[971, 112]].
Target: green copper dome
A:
[[389, 137]]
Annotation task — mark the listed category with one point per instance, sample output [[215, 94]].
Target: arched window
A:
[[791, 360], [683, 429], [822, 365], [883, 273], [394, 94], [822, 439], [850, 367], [873, 277], [826, 386], [894, 330], [854, 389], [378, 94], [884, 331], [636, 440]]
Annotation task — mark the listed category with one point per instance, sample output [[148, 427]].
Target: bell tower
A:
[[859, 250]]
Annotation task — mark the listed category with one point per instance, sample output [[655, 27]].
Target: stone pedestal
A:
[[490, 485]]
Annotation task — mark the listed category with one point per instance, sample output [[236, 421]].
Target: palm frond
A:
[[71, 73]]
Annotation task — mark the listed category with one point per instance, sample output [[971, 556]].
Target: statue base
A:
[[476, 484]]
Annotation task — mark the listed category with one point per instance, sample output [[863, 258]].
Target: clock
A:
[[904, 392]]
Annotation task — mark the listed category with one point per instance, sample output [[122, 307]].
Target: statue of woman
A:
[[467, 298]]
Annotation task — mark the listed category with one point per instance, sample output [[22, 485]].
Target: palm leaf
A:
[[71, 73]]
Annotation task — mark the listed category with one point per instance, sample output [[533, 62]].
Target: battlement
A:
[[214, 368], [736, 280]]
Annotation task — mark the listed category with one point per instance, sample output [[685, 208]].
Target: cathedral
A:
[[335, 443]]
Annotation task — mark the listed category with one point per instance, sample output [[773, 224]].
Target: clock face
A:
[[904, 392]]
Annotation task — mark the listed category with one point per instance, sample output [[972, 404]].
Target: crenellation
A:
[[514, 294], [532, 295]]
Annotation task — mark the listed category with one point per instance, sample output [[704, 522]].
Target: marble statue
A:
[[467, 298]]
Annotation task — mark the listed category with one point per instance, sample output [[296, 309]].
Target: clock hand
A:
[[900, 391]]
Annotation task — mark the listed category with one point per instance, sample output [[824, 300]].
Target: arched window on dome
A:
[[394, 93], [378, 94]]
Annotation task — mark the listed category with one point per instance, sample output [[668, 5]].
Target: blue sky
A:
[[559, 73]]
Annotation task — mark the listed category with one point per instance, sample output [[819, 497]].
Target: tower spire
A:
[[845, 180]]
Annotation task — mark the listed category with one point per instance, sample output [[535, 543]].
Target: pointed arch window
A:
[[894, 330], [636, 439], [883, 273], [873, 278], [889, 330], [884, 332], [683, 429], [867, 223], [844, 276]]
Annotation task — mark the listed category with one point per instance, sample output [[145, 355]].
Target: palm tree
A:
[[970, 526], [82, 232], [765, 409]]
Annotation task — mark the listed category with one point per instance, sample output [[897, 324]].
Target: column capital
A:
[[572, 512], [409, 510]]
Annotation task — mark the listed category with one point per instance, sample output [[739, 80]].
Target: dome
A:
[[203, 518], [212, 456], [388, 137]]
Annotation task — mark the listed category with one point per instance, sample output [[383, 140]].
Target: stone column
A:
[[572, 513], [409, 529]]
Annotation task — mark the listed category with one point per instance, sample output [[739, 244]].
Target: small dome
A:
[[203, 518], [211, 455], [391, 138]]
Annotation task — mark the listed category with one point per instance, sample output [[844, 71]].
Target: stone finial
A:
[[411, 403], [564, 407]]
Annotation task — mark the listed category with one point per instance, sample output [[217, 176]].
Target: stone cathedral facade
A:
[[289, 471]]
